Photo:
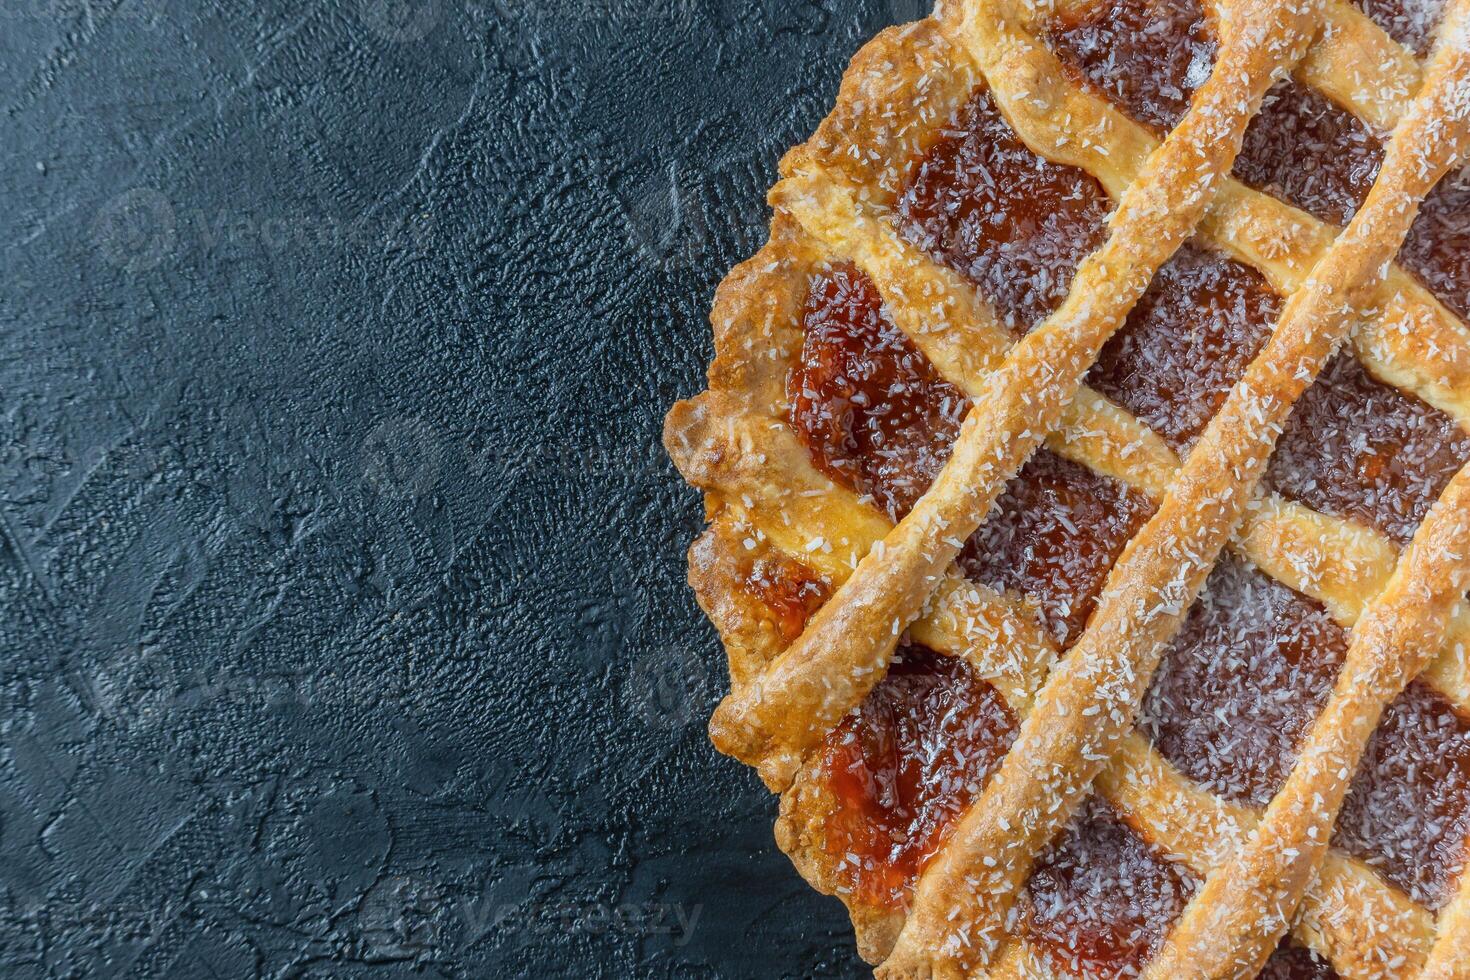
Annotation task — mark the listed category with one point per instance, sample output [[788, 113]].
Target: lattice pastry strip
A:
[[1450, 957], [1151, 469]]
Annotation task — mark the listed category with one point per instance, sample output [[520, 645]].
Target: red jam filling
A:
[[1409, 22], [871, 410], [1145, 58], [790, 590], [1408, 812], [1054, 535], [1308, 151], [1362, 450], [1013, 223], [904, 765], [1437, 250], [1187, 341], [1100, 900], [1242, 682], [1293, 962]]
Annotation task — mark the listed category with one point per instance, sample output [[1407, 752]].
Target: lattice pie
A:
[[1082, 458]]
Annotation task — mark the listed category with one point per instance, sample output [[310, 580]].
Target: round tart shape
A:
[[1199, 273]]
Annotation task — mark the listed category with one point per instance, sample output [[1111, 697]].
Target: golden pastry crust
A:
[[763, 493]]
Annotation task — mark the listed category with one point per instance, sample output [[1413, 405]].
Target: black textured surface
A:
[[343, 629]]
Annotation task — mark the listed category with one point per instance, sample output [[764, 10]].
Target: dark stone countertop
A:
[[342, 615]]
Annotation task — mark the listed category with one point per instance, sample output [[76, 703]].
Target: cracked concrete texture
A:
[[341, 574]]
